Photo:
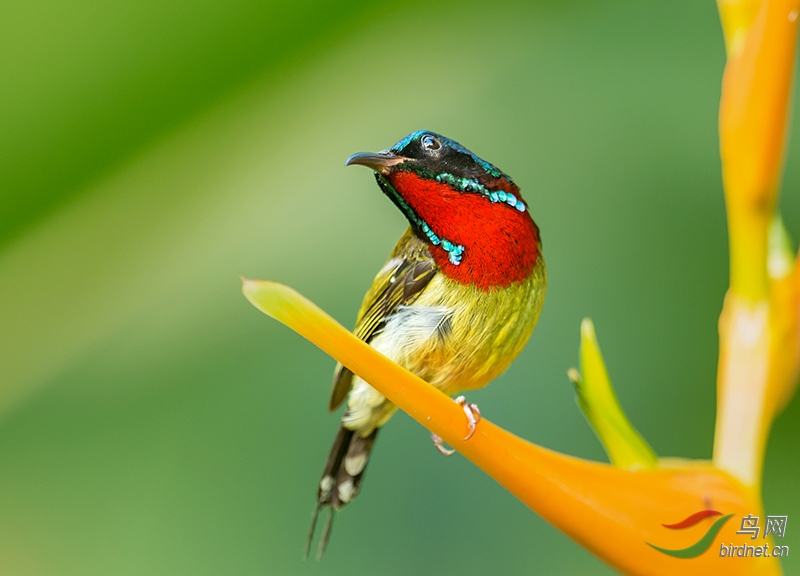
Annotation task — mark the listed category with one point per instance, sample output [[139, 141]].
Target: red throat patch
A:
[[501, 244]]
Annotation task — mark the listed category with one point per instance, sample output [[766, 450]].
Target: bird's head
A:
[[470, 212]]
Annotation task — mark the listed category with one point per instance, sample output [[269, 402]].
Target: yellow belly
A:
[[488, 330], [455, 337]]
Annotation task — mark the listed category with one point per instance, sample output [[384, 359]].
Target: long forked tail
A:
[[341, 479]]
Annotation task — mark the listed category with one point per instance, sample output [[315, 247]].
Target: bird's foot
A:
[[473, 415], [439, 443]]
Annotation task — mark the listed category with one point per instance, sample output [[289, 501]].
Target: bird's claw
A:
[[473, 417], [439, 443]]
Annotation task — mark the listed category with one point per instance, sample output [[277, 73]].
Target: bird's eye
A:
[[430, 142]]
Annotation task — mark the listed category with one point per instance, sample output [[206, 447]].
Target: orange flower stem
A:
[[754, 340]]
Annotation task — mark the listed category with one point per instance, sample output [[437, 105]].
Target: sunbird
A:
[[455, 303]]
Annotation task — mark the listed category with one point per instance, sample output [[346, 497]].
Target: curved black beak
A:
[[378, 161]]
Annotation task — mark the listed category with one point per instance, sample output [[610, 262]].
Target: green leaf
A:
[[622, 442]]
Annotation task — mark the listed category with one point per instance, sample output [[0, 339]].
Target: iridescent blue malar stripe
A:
[[454, 251]]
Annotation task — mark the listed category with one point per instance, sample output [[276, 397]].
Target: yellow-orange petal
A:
[[753, 114]]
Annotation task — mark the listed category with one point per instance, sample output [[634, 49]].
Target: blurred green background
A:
[[153, 422]]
